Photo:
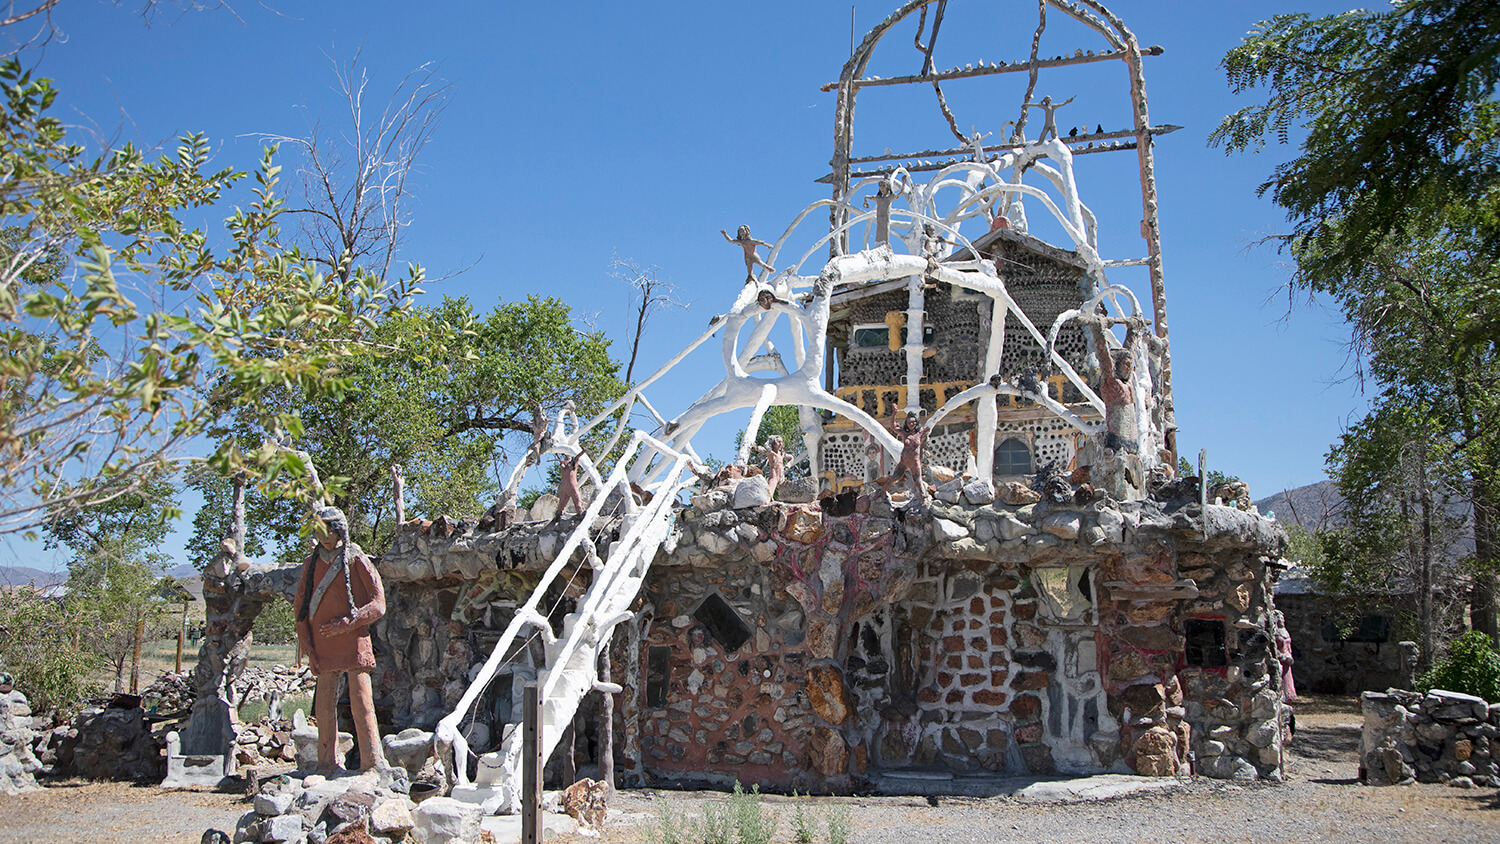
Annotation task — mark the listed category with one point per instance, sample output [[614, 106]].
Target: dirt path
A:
[[1321, 803]]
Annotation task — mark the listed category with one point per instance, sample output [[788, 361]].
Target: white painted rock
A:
[[544, 508], [946, 531], [443, 820], [751, 492]]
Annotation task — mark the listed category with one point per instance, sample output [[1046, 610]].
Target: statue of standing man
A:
[[338, 597]]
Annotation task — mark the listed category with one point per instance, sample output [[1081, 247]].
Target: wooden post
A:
[[606, 722], [135, 664], [531, 766], [570, 754]]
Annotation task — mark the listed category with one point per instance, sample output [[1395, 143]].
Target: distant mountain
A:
[[1314, 506], [22, 575]]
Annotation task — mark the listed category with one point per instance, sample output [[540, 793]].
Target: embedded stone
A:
[[751, 492], [829, 752], [798, 491], [1017, 494], [979, 492], [944, 530], [281, 828], [272, 805], [826, 692], [391, 818], [1063, 525], [1011, 527], [1156, 753], [446, 819], [544, 507], [805, 526], [951, 491], [1239, 597]]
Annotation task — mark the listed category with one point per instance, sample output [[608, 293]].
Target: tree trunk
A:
[[1482, 594]]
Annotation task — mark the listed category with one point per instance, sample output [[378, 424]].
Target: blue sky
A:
[[580, 131]]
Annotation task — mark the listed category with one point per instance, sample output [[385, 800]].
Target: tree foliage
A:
[[1400, 120], [144, 328], [1470, 667], [1394, 198], [40, 647], [450, 397], [116, 570]]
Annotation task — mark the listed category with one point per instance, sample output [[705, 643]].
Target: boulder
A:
[[443, 820], [751, 492]]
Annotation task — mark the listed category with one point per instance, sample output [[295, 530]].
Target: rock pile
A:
[[1438, 737], [256, 683], [18, 766], [114, 742], [369, 808]]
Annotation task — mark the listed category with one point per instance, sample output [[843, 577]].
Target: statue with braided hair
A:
[[338, 597]]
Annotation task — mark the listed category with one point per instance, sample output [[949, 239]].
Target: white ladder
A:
[[571, 664]]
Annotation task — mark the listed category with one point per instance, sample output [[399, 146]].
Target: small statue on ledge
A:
[[912, 436], [743, 240], [776, 461]]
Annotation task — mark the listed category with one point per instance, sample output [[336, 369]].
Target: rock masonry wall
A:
[[798, 645], [1437, 737]]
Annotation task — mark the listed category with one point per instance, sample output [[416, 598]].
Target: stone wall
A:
[[800, 646], [18, 765], [1336, 665], [1438, 737]]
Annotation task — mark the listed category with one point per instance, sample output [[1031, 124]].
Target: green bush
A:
[[40, 646], [276, 624], [1471, 667]]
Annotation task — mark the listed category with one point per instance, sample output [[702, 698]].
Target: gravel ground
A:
[[1321, 802]]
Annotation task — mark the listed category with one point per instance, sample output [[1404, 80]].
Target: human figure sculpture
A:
[[912, 436], [885, 192], [1049, 122], [1117, 467], [776, 462], [338, 597], [743, 240], [567, 486], [1117, 389]]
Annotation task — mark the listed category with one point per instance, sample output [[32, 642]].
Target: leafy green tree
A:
[[1395, 549], [450, 397], [115, 573], [41, 647], [115, 366], [1400, 120], [1471, 667], [783, 421], [1394, 199]]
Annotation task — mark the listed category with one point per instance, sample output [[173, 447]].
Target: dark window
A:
[[723, 623], [1012, 457], [1367, 628], [658, 675], [1205, 642], [879, 337]]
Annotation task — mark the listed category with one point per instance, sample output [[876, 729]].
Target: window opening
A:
[[722, 622], [658, 675], [1205, 642], [1012, 457]]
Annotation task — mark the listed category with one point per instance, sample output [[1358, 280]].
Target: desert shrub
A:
[[1471, 667]]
